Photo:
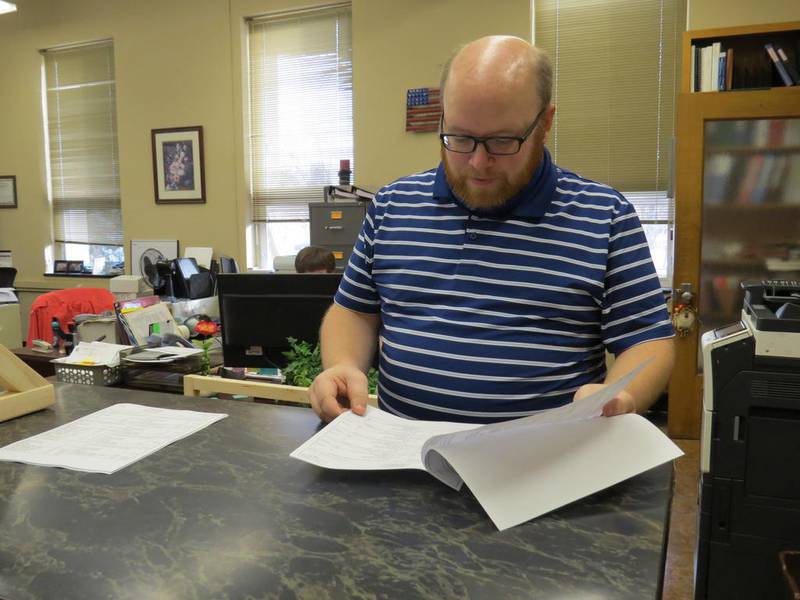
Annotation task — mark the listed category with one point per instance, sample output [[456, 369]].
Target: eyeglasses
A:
[[497, 145]]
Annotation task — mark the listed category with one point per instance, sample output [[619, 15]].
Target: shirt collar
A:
[[530, 202]]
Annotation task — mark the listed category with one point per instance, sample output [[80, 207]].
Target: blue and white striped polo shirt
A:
[[486, 318]]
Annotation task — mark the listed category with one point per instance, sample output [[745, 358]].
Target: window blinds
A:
[[652, 207], [82, 144], [615, 81], [301, 115]]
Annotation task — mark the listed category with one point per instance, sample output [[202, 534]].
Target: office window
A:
[[300, 120], [656, 212], [616, 69], [82, 158]]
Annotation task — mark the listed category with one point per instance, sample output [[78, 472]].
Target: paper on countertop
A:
[[94, 353], [517, 470], [352, 442], [587, 408], [377, 441], [109, 439], [522, 476]]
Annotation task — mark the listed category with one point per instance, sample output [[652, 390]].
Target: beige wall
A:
[[404, 44], [704, 14], [178, 62], [173, 67]]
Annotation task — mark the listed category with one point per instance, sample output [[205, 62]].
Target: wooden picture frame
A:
[[8, 191], [178, 167], [74, 266], [60, 267]]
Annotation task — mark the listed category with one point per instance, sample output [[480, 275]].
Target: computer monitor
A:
[[260, 310], [184, 268]]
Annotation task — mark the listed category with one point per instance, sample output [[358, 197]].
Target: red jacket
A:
[[64, 305]]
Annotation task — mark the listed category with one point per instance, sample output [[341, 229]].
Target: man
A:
[[496, 281]]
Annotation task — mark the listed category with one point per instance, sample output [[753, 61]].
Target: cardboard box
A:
[[127, 287]]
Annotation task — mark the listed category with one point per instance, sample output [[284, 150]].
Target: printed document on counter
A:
[[517, 470], [109, 439]]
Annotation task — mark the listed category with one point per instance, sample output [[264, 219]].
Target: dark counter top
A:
[[225, 513]]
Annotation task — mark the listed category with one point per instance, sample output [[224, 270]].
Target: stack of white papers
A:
[[517, 470], [7, 296], [163, 354], [109, 439], [93, 353]]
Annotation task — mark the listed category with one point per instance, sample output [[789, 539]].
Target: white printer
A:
[[750, 447]]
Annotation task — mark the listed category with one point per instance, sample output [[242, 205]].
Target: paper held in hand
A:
[[517, 470]]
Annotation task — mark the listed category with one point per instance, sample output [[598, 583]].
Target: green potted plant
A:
[[304, 363]]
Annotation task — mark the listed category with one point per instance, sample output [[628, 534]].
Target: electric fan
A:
[[156, 271]]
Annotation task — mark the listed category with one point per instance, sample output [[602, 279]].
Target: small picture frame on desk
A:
[[74, 266], [61, 266], [178, 169]]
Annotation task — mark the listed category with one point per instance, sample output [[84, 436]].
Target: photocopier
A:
[[750, 447]]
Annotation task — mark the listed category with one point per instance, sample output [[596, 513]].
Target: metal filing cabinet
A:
[[335, 225]]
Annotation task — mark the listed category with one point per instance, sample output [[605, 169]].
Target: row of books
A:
[[752, 180], [713, 68], [752, 133]]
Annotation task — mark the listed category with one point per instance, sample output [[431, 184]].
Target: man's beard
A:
[[505, 187]]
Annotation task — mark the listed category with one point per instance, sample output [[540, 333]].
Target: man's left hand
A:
[[619, 405]]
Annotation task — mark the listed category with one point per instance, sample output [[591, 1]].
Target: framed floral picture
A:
[[178, 171]]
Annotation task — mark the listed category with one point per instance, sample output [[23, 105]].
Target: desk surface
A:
[[225, 513], [38, 361]]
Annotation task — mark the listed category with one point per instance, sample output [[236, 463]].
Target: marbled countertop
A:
[[225, 513]]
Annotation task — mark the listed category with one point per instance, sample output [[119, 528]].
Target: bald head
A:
[[499, 64]]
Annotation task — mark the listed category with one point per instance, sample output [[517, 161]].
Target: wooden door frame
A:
[[694, 109]]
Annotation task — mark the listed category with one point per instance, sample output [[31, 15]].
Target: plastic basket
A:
[[87, 374]]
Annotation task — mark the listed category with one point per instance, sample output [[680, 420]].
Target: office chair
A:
[[62, 306]]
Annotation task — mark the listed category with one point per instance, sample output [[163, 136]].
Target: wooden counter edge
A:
[[196, 385]]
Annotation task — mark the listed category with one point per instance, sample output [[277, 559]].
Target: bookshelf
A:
[[751, 65], [737, 194]]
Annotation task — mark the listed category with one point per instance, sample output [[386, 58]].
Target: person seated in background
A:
[[313, 259]]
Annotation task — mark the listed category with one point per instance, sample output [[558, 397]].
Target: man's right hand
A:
[[338, 389]]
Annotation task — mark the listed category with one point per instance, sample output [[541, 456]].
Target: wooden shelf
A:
[[735, 263], [742, 31], [733, 207], [752, 150]]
